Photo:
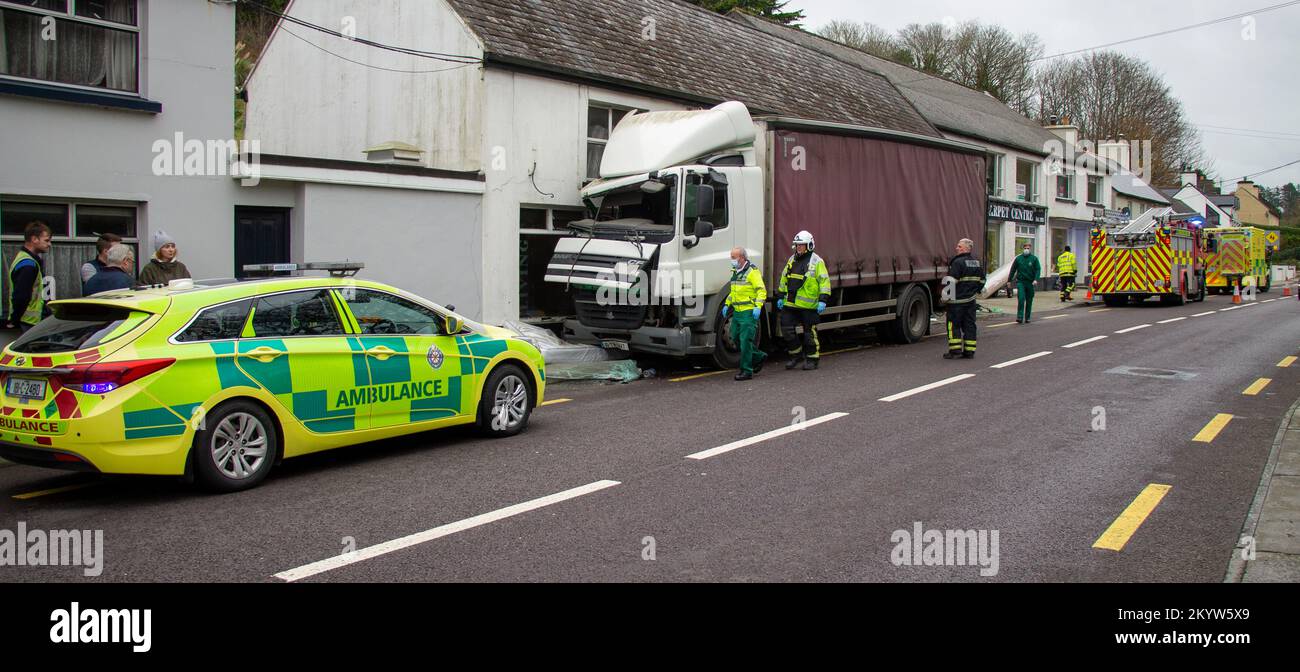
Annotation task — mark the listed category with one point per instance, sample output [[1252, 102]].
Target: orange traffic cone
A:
[[1236, 293], [1286, 290]]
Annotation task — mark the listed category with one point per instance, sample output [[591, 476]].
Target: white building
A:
[[523, 95], [1190, 198]]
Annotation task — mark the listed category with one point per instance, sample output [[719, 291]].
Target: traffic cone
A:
[[1286, 290], [1236, 293]]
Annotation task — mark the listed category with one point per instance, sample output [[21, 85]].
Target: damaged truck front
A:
[[648, 268]]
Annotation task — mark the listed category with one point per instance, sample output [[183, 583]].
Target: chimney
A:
[[1068, 133], [395, 153], [1118, 151], [1188, 177]]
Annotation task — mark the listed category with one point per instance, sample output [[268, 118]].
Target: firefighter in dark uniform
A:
[[969, 275]]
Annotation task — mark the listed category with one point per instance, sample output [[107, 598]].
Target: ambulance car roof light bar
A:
[[337, 269]]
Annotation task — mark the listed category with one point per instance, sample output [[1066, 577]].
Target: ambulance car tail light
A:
[[104, 377]]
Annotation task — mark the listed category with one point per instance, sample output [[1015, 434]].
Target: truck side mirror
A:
[[699, 200], [703, 228]]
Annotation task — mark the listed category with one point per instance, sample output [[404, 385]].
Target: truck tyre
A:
[[1113, 300], [726, 352], [913, 318]]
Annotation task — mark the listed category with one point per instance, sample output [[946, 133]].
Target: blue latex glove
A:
[[780, 303], [758, 311], [726, 312], [821, 305]]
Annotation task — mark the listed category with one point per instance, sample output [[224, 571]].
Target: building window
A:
[[539, 231], [1026, 234], [1094, 190], [600, 123], [994, 174], [92, 43], [1026, 181], [1065, 187], [74, 226], [1060, 238], [993, 245]]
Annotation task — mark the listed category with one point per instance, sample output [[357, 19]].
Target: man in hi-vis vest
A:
[[24, 300]]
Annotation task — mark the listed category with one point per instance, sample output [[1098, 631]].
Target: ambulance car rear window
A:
[[217, 323], [77, 326]]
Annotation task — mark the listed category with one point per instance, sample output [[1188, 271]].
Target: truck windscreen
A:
[[645, 210]]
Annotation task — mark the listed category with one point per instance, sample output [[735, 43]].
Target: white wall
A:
[[350, 107], [64, 150], [420, 241], [532, 121]]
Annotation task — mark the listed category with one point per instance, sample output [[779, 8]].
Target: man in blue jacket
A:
[[119, 266]]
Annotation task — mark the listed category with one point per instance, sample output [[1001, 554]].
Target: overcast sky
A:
[[1223, 79]]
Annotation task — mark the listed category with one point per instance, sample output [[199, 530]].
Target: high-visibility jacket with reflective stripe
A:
[[36, 305], [813, 286], [1066, 264], [747, 288]]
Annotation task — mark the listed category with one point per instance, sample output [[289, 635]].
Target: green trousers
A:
[[1024, 300], [744, 326]]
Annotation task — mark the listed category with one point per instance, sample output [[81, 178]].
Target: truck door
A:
[[707, 259]]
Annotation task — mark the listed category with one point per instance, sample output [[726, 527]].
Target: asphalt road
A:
[[1019, 451]]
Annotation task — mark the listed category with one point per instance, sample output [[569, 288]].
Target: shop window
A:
[[540, 229], [601, 122]]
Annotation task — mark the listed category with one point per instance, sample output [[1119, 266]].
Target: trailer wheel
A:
[[913, 318]]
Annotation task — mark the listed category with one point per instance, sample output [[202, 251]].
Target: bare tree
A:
[[866, 37], [989, 58], [927, 46], [1108, 95]]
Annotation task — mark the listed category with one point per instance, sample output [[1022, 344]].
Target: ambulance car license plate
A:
[[26, 388]]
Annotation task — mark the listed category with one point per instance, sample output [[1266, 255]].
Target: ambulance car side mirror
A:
[[452, 325]]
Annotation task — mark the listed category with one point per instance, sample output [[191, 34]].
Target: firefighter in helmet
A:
[[803, 293]]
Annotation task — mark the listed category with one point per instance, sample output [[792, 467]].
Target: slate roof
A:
[[1179, 206], [696, 55], [948, 105]]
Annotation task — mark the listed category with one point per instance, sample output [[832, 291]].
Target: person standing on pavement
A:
[[25, 300], [1024, 272], [968, 273], [90, 268], [1067, 267], [804, 291], [118, 273], [163, 267], [745, 306]]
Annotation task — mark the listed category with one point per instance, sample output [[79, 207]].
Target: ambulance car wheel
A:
[[236, 447], [506, 402]]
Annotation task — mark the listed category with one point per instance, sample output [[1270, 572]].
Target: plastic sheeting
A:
[[573, 361], [881, 210]]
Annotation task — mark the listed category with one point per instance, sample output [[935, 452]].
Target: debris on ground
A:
[[574, 361]]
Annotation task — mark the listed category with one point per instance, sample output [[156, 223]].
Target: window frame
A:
[[1101, 183], [1032, 194], [71, 15], [610, 109], [71, 222], [995, 163], [252, 301], [352, 315]]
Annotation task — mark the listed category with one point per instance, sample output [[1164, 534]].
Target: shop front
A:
[[1010, 225]]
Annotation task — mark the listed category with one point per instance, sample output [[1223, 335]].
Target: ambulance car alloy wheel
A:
[[506, 402], [235, 447]]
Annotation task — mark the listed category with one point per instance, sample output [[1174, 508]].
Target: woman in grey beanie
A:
[[163, 267]]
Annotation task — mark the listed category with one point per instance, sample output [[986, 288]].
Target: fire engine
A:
[[1160, 253]]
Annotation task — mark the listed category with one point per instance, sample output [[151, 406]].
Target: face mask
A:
[[735, 264], [1024, 251]]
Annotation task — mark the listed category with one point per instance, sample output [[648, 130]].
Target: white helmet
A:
[[804, 238]]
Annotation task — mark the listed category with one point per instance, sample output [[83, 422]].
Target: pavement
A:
[[1094, 444], [1269, 549]]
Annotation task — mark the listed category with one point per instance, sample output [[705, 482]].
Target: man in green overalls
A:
[[1024, 272], [744, 305]]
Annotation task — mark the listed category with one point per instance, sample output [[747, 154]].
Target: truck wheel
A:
[[236, 448], [506, 402], [726, 352], [913, 319]]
